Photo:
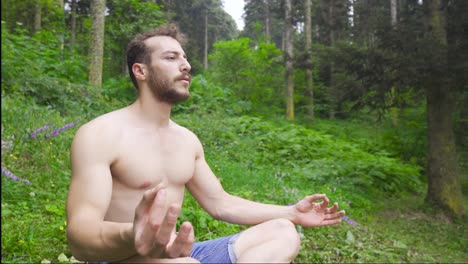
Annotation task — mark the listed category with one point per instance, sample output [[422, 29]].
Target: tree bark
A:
[[393, 12], [73, 24], [37, 16], [289, 62], [205, 54], [444, 186], [394, 111], [331, 91], [96, 52], [310, 80], [267, 21]]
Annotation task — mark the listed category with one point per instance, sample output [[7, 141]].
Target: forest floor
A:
[[381, 227]]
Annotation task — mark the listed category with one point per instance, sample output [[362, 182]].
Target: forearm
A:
[[237, 210], [106, 241]]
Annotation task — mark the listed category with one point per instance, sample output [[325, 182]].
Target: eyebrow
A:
[[174, 52]]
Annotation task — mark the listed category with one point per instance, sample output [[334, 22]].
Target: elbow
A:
[[216, 214], [77, 253], [221, 210], [77, 249]]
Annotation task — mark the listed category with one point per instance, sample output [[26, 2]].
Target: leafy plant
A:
[[254, 73]]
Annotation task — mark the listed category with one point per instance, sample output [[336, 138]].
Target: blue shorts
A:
[[220, 250]]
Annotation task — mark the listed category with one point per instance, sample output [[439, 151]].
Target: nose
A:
[[185, 67]]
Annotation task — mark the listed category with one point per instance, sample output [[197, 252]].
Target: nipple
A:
[[145, 185]]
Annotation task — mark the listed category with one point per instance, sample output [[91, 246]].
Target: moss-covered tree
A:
[[444, 188]]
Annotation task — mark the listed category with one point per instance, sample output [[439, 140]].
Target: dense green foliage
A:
[[254, 73], [143, 16], [375, 170], [257, 158], [245, 169]]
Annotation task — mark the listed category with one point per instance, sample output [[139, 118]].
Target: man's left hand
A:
[[309, 213]]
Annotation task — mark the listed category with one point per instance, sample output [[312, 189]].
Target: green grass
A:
[[258, 159]]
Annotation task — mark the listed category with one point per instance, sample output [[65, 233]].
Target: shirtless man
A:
[[130, 168]]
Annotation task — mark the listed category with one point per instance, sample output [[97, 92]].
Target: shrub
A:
[[253, 73]]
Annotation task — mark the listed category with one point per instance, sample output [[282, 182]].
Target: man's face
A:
[[168, 74]]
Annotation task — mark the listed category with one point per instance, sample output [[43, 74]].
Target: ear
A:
[[140, 71]]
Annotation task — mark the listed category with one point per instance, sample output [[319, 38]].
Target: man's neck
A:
[[153, 111]]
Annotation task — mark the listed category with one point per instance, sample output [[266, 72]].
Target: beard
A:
[[163, 89]]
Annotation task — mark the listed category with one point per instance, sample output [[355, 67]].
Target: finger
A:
[[141, 220], [152, 225], [189, 245], [315, 197], [182, 245], [331, 222], [324, 204], [334, 215], [158, 209], [163, 236], [332, 209], [147, 200], [145, 203]]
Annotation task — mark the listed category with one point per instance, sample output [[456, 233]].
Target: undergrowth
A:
[[377, 178], [254, 158]]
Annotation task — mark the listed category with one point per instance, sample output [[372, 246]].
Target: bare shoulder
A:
[[100, 132], [189, 135], [105, 123]]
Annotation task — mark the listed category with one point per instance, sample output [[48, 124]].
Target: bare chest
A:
[[144, 162]]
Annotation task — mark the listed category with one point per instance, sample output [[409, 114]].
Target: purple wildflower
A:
[[7, 144], [57, 131], [34, 134], [349, 221], [9, 174]]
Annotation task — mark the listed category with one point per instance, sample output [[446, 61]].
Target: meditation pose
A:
[[130, 168]]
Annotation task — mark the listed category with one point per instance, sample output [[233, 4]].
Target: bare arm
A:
[[206, 188], [90, 237]]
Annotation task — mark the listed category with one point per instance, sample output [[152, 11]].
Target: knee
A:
[[286, 231]]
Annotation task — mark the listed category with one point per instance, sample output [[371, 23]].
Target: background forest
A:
[[364, 100]]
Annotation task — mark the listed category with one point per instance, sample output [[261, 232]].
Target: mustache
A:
[[184, 76]]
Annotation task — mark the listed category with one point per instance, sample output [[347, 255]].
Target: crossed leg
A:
[[272, 241]]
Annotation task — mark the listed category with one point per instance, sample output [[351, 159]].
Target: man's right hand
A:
[[153, 228]]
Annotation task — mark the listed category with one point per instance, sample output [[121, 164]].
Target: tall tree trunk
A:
[[205, 54], [310, 80], [289, 61], [283, 41], [444, 187], [393, 12], [331, 91], [62, 37], [96, 52], [37, 16], [73, 24], [394, 111], [267, 21]]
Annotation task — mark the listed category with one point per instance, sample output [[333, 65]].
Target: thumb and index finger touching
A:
[[324, 204]]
